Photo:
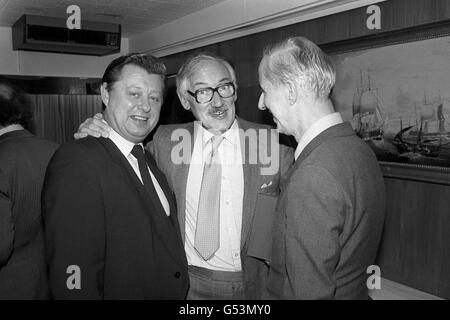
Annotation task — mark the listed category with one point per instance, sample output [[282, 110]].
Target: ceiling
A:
[[135, 16]]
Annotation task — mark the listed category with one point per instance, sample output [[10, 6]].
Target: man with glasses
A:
[[225, 201]]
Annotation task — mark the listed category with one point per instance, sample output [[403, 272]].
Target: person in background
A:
[[330, 213], [111, 226], [231, 262], [23, 161]]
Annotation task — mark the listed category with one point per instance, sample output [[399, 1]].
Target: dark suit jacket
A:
[[258, 201], [329, 220], [23, 161], [99, 217]]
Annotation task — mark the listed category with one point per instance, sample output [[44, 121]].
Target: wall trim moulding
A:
[[299, 14]]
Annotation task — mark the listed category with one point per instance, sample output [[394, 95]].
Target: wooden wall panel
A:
[[415, 248]]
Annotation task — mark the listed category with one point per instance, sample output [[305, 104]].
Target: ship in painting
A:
[[422, 139], [429, 136], [368, 111]]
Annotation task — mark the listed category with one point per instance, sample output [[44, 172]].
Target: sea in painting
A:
[[397, 98]]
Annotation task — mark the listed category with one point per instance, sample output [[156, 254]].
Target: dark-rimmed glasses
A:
[[205, 95]]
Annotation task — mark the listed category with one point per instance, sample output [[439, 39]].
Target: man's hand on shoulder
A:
[[95, 126]]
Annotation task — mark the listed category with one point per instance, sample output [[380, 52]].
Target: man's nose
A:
[[144, 105], [216, 100]]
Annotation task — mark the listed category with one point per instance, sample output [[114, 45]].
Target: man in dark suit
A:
[[23, 161], [331, 208], [110, 218], [252, 164]]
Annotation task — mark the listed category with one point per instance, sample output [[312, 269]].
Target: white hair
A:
[[300, 61]]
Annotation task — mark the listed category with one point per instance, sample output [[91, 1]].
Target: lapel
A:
[[338, 130], [161, 224], [251, 180], [180, 177]]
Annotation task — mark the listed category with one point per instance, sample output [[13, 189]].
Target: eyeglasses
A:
[[205, 95]]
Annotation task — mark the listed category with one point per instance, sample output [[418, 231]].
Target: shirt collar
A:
[[230, 135], [123, 144], [317, 128], [9, 128]]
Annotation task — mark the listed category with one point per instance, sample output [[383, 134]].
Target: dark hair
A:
[[15, 107], [147, 62]]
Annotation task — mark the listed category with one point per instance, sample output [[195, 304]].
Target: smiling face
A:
[[133, 103], [219, 113]]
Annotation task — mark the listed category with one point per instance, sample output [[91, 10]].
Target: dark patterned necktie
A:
[[138, 153]]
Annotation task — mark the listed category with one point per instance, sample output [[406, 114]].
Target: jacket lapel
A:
[[161, 224], [167, 224], [251, 181], [339, 130], [180, 177]]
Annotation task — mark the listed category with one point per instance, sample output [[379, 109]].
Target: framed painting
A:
[[397, 97]]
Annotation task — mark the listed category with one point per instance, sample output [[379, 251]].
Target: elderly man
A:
[[225, 211], [23, 161], [110, 218], [330, 212]]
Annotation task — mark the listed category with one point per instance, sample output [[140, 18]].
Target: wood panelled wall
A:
[[245, 52], [415, 248], [55, 85]]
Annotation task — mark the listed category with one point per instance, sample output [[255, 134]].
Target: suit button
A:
[[177, 275]]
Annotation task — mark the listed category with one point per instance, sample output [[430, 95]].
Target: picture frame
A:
[[412, 139]]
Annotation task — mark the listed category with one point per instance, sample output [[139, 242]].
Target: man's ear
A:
[[184, 101], [104, 93], [292, 92]]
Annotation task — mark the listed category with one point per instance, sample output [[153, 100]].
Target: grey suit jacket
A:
[[329, 220], [258, 211]]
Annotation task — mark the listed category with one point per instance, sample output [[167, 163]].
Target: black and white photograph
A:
[[225, 158]]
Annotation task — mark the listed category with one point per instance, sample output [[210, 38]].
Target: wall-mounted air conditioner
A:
[[37, 33]]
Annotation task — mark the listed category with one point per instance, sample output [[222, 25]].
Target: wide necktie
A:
[[207, 235], [138, 153]]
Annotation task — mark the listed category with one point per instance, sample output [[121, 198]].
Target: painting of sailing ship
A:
[[397, 99], [367, 110]]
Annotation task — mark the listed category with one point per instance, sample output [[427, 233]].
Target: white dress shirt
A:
[[317, 128], [125, 147], [227, 257]]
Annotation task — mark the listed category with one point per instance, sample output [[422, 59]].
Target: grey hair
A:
[[299, 60], [192, 63]]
